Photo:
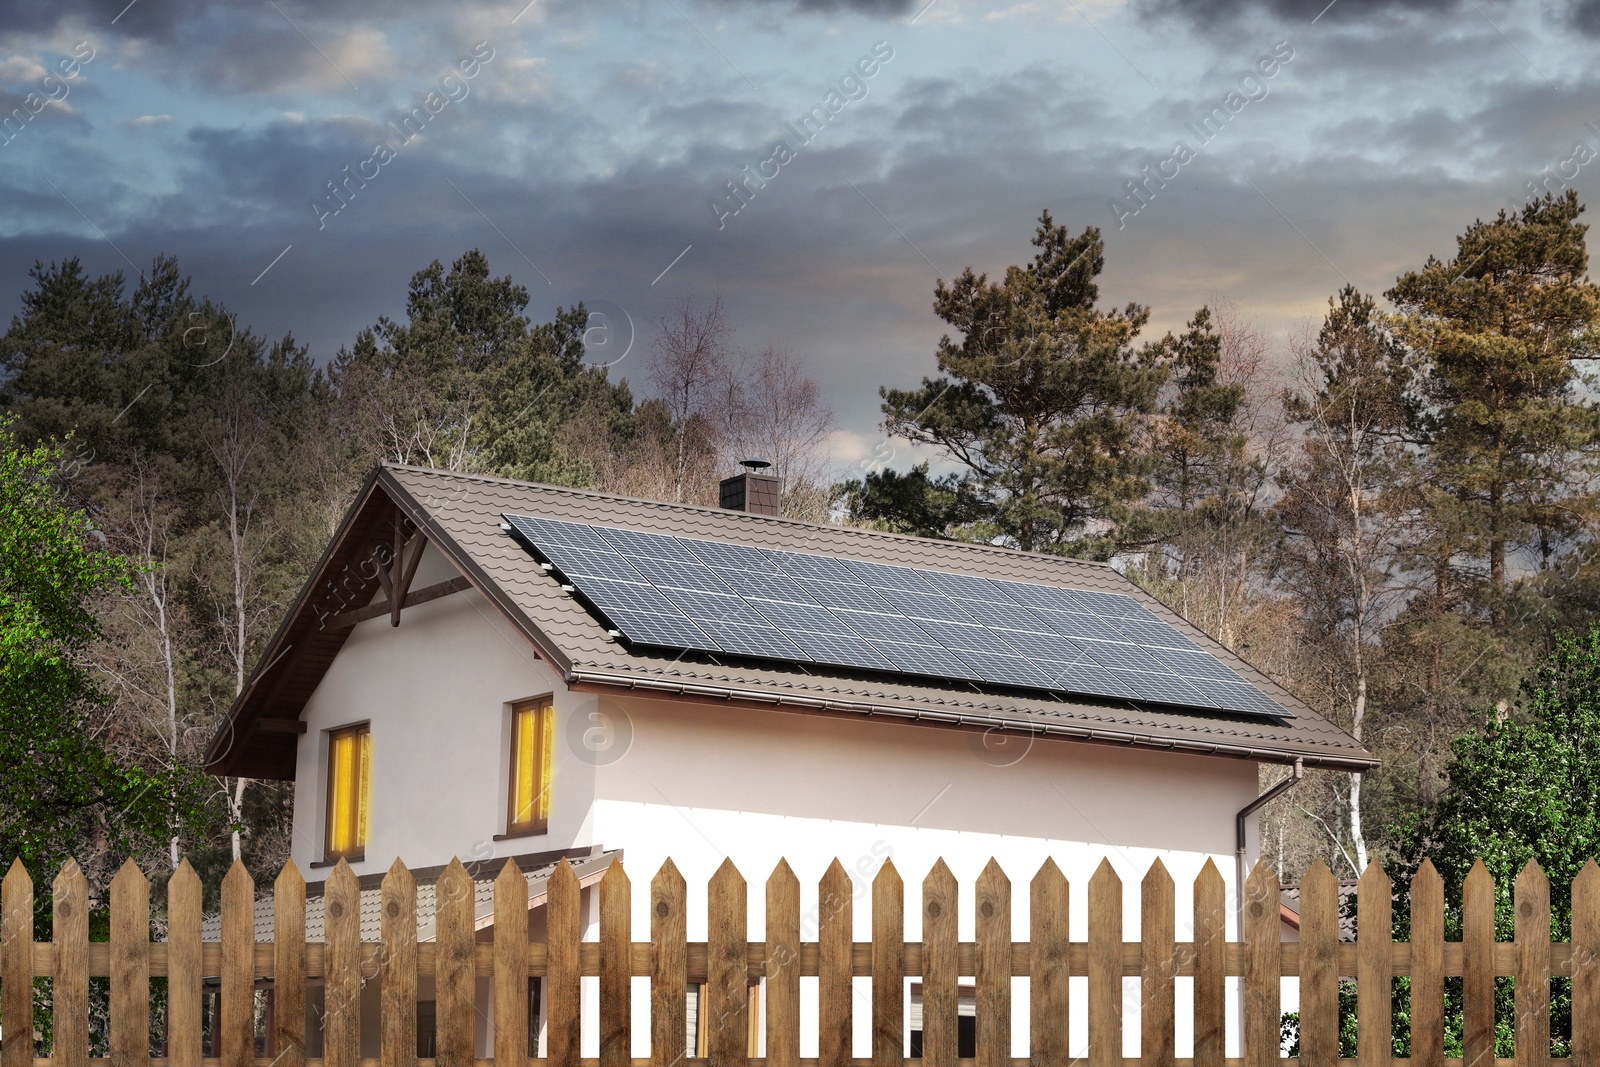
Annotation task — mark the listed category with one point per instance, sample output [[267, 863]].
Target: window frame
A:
[[543, 751], [363, 788]]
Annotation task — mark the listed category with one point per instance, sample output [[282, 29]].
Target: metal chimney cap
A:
[[754, 464]]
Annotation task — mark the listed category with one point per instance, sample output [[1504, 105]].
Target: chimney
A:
[[752, 491]]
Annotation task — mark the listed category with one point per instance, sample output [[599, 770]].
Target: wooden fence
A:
[[727, 962]]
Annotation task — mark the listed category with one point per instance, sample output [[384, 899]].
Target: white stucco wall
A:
[[437, 692], [699, 782]]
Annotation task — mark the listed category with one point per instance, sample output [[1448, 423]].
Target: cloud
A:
[[150, 120], [20, 69], [281, 56], [1217, 15], [875, 8]]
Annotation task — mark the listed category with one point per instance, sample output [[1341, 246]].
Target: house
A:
[[481, 668]]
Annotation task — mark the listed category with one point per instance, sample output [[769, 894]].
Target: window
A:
[[531, 756], [535, 1000], [427, 1029], [349, 779], [966, 1021], [700, 1022]]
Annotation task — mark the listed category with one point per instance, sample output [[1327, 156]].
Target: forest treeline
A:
[[1392, 514], [218, 463]]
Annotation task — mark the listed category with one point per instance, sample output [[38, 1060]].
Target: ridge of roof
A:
[[864, 532]]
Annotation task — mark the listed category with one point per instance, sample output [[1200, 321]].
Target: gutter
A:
[[1277, 790], [1255, 805], [577, 677]]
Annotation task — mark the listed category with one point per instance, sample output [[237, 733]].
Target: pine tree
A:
[[1037, 400], [467, 382], [1504, 332]]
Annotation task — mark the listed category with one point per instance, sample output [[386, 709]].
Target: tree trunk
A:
[[236, 812], [1357, 836]]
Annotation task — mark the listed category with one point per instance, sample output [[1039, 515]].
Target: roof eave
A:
[[217, 759], [223, 755], [579, 678]]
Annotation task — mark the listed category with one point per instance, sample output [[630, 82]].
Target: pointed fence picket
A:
[[69, 988], [728, 966]]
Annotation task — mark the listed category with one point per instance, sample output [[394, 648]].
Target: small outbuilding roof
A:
[[589, 866]]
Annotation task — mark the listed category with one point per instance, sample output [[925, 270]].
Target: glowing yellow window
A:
[[349, 778], [531, 756]]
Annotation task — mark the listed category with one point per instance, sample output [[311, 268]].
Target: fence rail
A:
[[726, 963]]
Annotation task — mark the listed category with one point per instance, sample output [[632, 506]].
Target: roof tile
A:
[[466, 509]]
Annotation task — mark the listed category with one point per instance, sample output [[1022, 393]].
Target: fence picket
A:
[[1532, 989], [183, 967], [1586, 964], [130, 968], [454, 1010], [783, 968], [616, 976], [236, 1009], [1260, 985], [1210, 967], [69, 991], [727, 1013], [397, 968], [1105, 967], [728, 976], [992, 904], [16, 974], [1427, 967], [564, 908], [834, 993], [669, 968], [341, 1020], [1049, 929], [940, 982], [1477, 935], [1374, 971], [888, 967], [511, 970], [237, 999], [1319, 955], [1158, 969], [289, 966]]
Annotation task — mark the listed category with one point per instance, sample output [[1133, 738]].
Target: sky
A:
[[588, 150]]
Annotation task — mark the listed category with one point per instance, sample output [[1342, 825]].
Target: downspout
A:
[[1245, 812]]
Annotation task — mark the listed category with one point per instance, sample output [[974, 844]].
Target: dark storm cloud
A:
[[880, 8], [1582, 15], [836, 258], [1214, 13], [155, 18]]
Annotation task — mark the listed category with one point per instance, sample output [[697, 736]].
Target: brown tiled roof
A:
[[588, 869], [1289, 907], [462, 515]]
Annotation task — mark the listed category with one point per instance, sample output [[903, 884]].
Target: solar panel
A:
[[802, 567], [635, 543], [883, 576], [845, 597], [690, 594], [928, 660], [839, 649]]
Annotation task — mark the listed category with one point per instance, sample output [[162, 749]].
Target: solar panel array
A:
[[714, 596]]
